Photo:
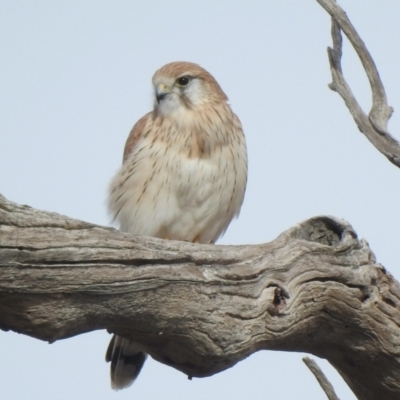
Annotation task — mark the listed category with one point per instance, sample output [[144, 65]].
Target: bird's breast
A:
[[180, 185]]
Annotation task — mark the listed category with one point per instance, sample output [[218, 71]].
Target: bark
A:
[[202, 308]]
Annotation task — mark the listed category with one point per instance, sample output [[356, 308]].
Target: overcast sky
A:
[[75, 76]]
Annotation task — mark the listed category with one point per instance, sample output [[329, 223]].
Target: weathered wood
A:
[[321, 378], [373, 125], [202, 308]]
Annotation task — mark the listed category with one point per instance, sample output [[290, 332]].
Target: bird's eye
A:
[[183, 80]]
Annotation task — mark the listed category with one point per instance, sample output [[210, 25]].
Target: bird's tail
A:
[[127, 359]]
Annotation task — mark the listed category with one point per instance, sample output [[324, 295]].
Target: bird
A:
[[183, 177]]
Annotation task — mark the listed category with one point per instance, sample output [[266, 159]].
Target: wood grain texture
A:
[[202, 308]]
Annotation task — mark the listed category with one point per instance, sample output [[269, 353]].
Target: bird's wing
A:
[[138, 130]]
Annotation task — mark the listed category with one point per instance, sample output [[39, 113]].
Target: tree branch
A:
[[202, 308], [321, 378], [374, 126]]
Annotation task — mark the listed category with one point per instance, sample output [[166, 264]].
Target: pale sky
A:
[[75, 76]]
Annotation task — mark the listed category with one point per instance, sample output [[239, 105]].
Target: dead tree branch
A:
[[374, 125], [202, 308], [321, 378]]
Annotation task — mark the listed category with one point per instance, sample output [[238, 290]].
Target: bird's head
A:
[[182, 86]]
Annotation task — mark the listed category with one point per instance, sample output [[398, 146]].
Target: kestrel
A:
[[183, 176]]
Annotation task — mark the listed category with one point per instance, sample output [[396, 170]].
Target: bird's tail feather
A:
[[127, 359]]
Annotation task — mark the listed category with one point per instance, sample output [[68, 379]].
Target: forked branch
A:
[[374, 125]]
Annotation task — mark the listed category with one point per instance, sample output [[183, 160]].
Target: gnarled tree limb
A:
[[374, 126], [202, 308]]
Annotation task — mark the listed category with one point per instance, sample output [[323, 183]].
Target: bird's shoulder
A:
[[138, 130]]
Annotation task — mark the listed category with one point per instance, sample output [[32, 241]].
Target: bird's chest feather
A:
[[189, 173], [184, 186]]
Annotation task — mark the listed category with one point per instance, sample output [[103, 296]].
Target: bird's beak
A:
[[161, 91]]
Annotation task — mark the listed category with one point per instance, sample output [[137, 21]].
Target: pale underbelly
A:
[[192, 200]]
